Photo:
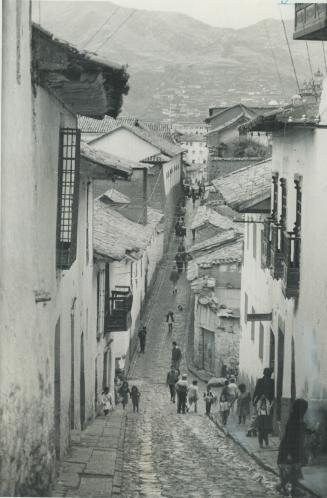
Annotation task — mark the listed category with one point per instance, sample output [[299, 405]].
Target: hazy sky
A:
[[224, 13]]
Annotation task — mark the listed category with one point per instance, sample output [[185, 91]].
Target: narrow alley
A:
[[171, 455]]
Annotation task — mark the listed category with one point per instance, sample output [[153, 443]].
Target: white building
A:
[[48, 335], [287, 278]]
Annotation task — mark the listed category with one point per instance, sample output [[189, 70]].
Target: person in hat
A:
[[176, 356], [182, 390]]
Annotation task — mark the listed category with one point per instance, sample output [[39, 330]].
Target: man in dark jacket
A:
[[142, 337], [176, 356], [264, 387], [182, 390]]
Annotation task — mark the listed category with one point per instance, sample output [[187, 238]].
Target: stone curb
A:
[[255, 457]]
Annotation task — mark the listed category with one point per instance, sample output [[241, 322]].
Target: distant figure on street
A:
[[209, 399], [225, 389], [193, 197], [224, 408], [124, 392], [174, 277], [142, 338], [179, 262], [265, 386], [177, 226], [243, 404], [107, 401], [182, 390], [135, 397], [291, 454], [181, 248], [170, 320], [263, 420], [193, 234], [193, 395], [232, 393], [223, 372], [176, 356], [172, 378]]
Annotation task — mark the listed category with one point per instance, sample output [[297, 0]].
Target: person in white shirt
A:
[[193, 395]]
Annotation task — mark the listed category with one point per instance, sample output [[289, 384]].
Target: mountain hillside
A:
[[180, 66]]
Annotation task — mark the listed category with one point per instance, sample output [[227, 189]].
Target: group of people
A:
[[123, 392]]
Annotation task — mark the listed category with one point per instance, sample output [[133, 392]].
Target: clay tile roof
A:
[[206, 215], [219, 240], [116, 237], [100, 164], [247, 186], [230, 252], [114, 196], [83, 81]]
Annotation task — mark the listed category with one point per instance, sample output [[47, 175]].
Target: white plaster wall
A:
[[256, 284], [171, 172], [124, 143]]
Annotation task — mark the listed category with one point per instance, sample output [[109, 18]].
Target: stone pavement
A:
[[93, 464]]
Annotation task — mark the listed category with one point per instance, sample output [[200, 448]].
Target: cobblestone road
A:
[[177, 456]]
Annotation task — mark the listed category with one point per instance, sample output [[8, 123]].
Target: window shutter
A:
[[68, 196]]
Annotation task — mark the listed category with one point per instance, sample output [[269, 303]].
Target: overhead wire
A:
[[111, 15], [311, 70], [323, 49], [275, 61], [116, 31]]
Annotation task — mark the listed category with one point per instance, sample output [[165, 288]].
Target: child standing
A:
[[263, 421], [224, 407], [243, 404], [193, 395], [135, 396], [107, 401], [209, 399]]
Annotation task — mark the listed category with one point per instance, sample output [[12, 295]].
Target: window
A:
[[297, 183], [261, 341], [68, 189], [275, 196], [245, 307], [254, 231], [252, 326]]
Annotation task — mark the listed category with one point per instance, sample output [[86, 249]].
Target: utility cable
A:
[[116, 31], [275, 61], [323, 49], [289, 51], [312, 76], [100, 28]]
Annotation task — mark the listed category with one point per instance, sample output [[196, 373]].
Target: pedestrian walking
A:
[[193, 197], [182, 390], [224, 408], [176, 356], [263, 421], [265, 386], [193, 395], [142, 338], [174, 277], [291, 454], [181, 248], [172, 378], [107, 401], [243, 404], [124, 392], [179, 262], [135, 397], [170, 320], [193, 234], [177, 226], [232, 393], [209, 399]]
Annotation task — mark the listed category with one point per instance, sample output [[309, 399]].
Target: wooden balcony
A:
[[118, 315], [276, 252], [310, 21], [291, 264], [266, 245]]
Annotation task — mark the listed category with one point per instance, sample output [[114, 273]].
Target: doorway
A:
[[57, 390], [280, 374], [82, 383], [272, 351]]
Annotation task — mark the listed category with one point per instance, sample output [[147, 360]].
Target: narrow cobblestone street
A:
[[171, 455]]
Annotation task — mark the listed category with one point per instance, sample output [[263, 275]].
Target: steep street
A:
[[171, 455]]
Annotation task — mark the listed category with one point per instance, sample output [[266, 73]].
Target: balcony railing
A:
[[291, 264], [266, 245], [119, 307], [277, 256], [310, 21]]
